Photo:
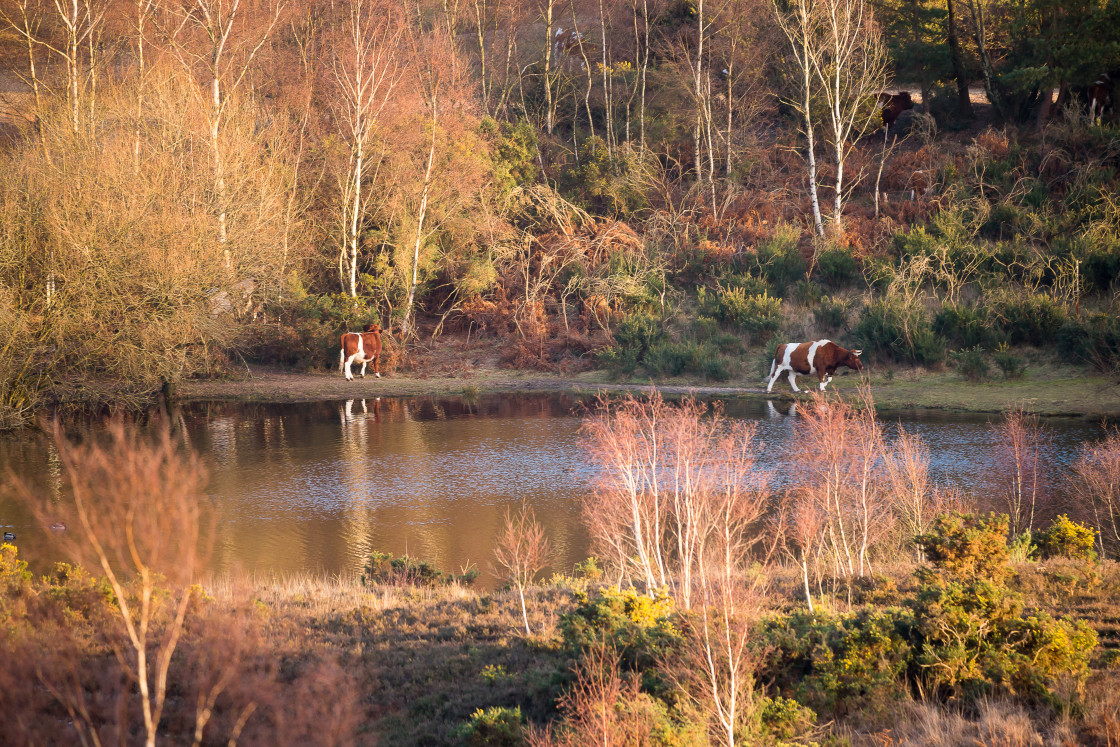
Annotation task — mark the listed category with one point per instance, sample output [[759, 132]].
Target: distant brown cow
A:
[[1100, 97], [821, 357], [893, 104], [361, 347]]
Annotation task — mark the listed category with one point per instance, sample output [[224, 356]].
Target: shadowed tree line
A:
[[189, 186]]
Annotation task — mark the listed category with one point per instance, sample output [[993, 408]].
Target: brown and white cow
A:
[[361, 347], [893, 104], [821, 357]]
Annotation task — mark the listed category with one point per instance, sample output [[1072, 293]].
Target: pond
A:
[[315, 487]]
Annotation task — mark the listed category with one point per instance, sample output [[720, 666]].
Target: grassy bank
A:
[[1045, 388], [426, 659]]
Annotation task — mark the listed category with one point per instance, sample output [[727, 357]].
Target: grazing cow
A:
[[1100, 97], [361, 347], [893, 104], [821, 357]]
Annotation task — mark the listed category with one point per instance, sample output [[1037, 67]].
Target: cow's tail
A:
[[342, 356]]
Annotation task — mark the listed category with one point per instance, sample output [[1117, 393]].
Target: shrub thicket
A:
[[385, 568], [1065, 538], [898, 333]]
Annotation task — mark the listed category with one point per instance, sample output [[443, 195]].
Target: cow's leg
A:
[[825, 381], [349, 363], [775, 372], [341, 359], [365, 362], [793, 380], [377, 364]]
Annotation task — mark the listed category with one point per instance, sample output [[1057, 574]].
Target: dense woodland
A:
[[641, 186]]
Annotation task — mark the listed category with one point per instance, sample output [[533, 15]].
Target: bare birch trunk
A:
[[406, 324]]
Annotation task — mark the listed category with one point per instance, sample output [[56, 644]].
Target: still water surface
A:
[[314, 487]]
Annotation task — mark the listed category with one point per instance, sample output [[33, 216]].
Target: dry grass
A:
[[995, 723], [423, 658]]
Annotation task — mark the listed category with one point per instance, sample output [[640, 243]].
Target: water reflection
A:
[[318, 486]]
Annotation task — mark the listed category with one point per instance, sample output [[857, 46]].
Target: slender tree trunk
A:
[[482, 57], [980, 34], [811, 146], [406, 325], [699, 91], [608, 99], [964, 101], [355, 214], [805, 581], [548, 103], [645, 68], [219, 173], [524, 613]]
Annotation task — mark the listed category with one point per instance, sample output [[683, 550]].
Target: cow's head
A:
[[852, 360], [372, 328]]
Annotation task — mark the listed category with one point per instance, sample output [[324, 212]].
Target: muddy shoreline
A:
[[1069, 394]]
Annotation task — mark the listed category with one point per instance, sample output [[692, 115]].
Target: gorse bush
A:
[[971, 363], [1028, 318], [975, 639], [676, 358], [831, 314], [638, 626], [968, 546], [1094, 339], [633, 336], [605, 182], [838, 664], [966, 326], [895, 332], [493, 727], [779, 259], [784, 719], [760, 315], [385, 568], [836, 267], [1010, 364], [1065, 538]]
